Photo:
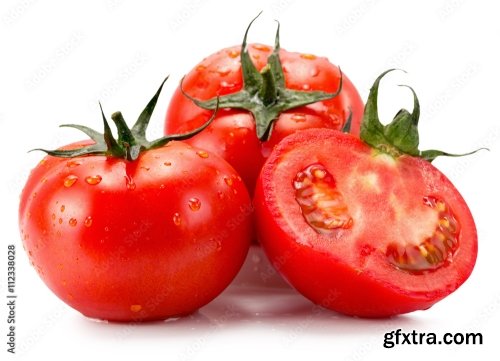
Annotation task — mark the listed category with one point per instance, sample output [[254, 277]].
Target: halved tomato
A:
[[366, 230]]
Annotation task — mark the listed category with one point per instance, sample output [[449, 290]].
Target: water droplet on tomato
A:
[[233, 54], [228, 181], [320, 201], [93, 180], [306, 87], [308, 56], [73, 222], [202, 154], [227, 85], [168, 164], [299, 118], [223, 71], [194, 204], [70, 180], [177, 219], [129, 182], [73, 163], [261, 47], [88, 221], [135, 308], [314, 72]]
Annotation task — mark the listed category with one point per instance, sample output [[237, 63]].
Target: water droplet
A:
[[63, 207], [261, 47], [202, 154], [168, 164], [106, 229], [135, 308], [233, 54], [314, 72], [306, 87], [70, 180], [73, 222], [177, 219], [93, 180], [228, 181], [88, 221], [194, 204], [299, 118], [162, 186], [130, 183], [223, 71], [73, 163], [308, 56], [225, 84]]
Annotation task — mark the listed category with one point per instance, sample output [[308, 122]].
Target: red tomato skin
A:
[[332, 280], [136, 246], [232, 135]]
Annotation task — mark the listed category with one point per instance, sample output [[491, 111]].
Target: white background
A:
[[58, 58]]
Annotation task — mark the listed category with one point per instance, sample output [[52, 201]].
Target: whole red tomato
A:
[[365, 227], [132, 230], [265, 95]]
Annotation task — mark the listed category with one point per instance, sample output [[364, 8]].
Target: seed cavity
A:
[[320, 201], [435, 251]]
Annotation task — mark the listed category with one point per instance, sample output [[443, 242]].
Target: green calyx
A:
[[399, 136], [130, 142], [264, 93]]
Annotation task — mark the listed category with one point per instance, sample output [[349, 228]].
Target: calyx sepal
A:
[[264, 93], [131, 141], [400, 136]]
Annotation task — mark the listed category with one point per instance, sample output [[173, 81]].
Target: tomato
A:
[[255, 113], [363, 227], [149, 238]]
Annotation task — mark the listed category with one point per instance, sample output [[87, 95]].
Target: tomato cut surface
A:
[[359, 231]]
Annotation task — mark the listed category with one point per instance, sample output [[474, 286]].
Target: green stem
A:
[[268, 92]]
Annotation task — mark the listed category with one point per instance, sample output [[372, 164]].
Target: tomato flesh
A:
[[232, 134], [380, 235], [132, 241]]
